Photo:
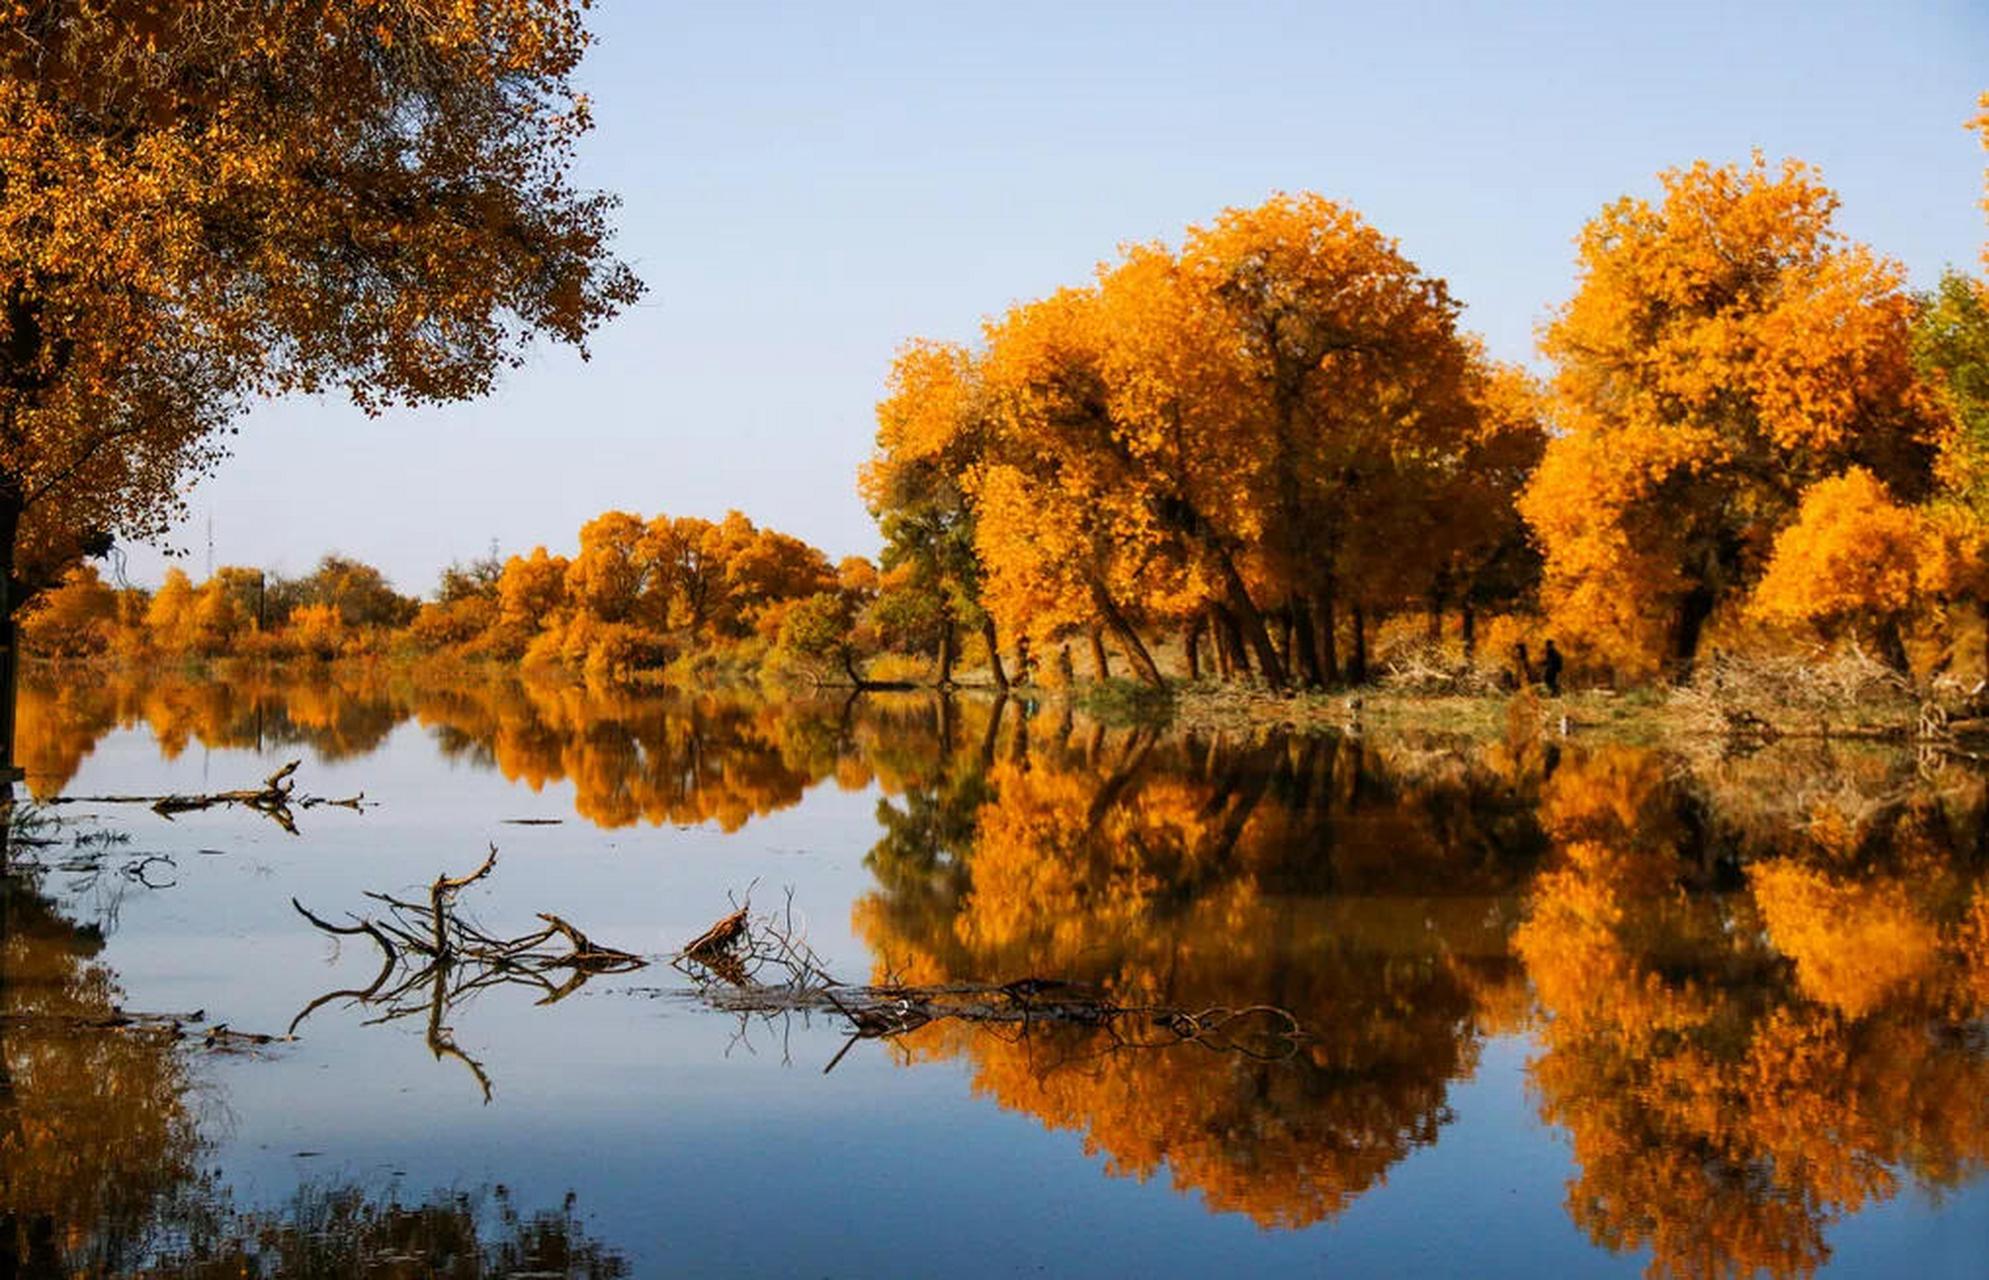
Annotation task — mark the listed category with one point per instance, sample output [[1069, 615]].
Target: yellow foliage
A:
[[316, 630], [199, 208], [1854, 944], [75, 619], [1851, 551], [1722, 351]]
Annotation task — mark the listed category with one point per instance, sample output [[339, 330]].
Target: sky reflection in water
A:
[[1573, 1008]]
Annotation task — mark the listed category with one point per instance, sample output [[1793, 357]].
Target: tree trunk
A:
[[993, 732], [1329, 636], [1232, 634], [1689, 626], [994, 654], [1892, 646], [1288, 628], [1024, 670], [1251, 623], [1468, 621], [1129, 638], [1433, 623], [1306, 642], [1357, 660], [1225, 663], [10, 602], [1101, 665], [1191, 646], [945, 676], [1065, 667]]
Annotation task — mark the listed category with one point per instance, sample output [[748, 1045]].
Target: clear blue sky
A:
[[807, 184]]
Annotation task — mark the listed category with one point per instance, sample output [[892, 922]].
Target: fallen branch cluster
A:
[[761, 966], [433, 958], [276, 799], [1425, 669]]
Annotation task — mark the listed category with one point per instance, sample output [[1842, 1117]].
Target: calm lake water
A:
[[1569, 1008]]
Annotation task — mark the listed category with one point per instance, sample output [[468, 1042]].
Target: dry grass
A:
[[1845, 694]]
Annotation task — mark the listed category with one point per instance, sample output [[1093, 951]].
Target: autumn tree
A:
[[1355, 399], [216, 200], [359, 592], [931, 436], [465, 606], [827, 636], [1853, 555], [1274, 427], [1724, 349], [74, 619]]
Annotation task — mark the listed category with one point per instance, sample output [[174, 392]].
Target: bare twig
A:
[[433, 961]]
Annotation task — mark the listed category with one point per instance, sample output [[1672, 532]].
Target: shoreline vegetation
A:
[[1731, 705], [1265, 476]]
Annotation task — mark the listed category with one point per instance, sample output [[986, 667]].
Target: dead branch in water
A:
[[432, 959], [762, 966], [275, 799]]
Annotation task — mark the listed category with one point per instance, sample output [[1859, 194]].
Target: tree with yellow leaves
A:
[[1277, 420], [1851, 555], [219, 199], [1724, 350]]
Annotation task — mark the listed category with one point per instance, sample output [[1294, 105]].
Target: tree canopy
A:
[[214, 200]]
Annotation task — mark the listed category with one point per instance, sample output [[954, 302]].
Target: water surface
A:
[[1570, 1007]]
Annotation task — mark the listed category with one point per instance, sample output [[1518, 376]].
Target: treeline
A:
[[1261, 453], [342, 606], [638, 596], [1276, 439]]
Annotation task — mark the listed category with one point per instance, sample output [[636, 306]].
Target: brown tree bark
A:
[[1191, 645], [1250, 622], [1892, 646], [1688, 625], [1307, 643], [10, 603], [945, 674], [1129, 639], [1101, 666], [1329, 637], [995, 668]]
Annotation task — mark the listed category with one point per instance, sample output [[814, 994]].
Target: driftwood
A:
[[276, 799], [218, 1037], [432, 959], [761, 966]]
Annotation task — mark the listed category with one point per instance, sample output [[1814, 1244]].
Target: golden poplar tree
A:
[[1724, 349], [213, 200]]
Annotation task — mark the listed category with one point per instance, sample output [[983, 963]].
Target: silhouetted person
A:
[[1550, 670]]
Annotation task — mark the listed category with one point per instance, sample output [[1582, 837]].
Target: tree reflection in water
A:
[[97, 1127], [1755, 986], [1304, 873], [101, 1146]]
